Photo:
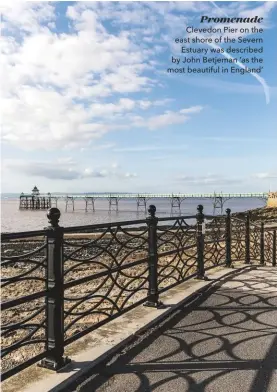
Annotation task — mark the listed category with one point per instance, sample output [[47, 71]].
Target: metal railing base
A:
[[157, 305], [201, 277], [52, 364]]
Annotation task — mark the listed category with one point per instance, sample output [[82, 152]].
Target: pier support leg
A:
[[37, 202], [69, 201], [176, 202], [141, 203], [218, 203], [22, 203], [113, 203], [90, 200]]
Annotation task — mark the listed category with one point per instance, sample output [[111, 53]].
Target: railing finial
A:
[[228, 211], [200, 208], [53, 215], [152, 211], [200, 215]]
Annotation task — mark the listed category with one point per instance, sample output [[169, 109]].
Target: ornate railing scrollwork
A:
[[23, 290]]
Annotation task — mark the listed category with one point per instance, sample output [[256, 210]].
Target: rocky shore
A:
[[264, 214]]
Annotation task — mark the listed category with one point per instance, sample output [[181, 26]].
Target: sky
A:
[[88, 105]]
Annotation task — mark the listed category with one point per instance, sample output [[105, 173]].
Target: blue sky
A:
[[87, 104]]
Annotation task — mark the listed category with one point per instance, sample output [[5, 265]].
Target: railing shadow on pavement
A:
[[230, 328]]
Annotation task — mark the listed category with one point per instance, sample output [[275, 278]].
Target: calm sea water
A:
[[15, 220]]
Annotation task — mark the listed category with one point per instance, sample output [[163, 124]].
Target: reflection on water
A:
[[13, 219]]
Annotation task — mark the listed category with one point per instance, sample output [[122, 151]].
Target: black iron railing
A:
[[59, 284]]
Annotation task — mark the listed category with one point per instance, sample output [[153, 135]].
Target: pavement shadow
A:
[[225, 340]]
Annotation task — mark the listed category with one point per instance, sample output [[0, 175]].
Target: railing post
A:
[[262, 244], [274, 249], [247, 239], [54, 300], [228, 239], [153, 292], [200, 243]]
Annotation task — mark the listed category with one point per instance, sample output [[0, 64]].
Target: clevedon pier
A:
[[36, 200]]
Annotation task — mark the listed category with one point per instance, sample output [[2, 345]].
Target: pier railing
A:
[[59, 284]]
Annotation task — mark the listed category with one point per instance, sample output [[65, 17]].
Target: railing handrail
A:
[[22, 234]]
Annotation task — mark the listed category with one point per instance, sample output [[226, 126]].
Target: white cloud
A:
[[51, 80], [64, 169], [210, 179], [265, 176], [167, 118], [193, 109], [123, 105], [151, 148], [130, 175], [145, 104], [49, 95], [26, 16], [262, 10], [55, 83], [98, 147]]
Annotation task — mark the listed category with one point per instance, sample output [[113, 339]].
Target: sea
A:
[[15, 220]]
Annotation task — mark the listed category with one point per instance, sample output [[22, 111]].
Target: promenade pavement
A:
[[224, 341]]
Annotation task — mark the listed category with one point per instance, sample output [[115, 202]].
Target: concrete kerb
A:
[[100, 345]]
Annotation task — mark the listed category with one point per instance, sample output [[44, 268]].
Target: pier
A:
[[44, 201], [35, 201]]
